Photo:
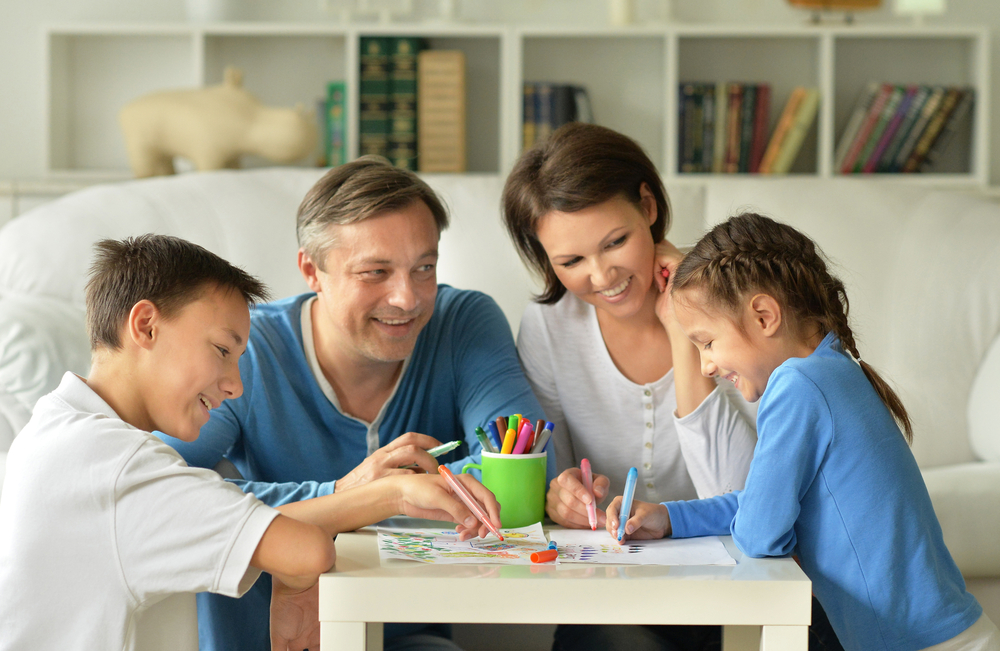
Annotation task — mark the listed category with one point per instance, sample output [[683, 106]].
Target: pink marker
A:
[[469, 500], [588, 483], [522, 437]]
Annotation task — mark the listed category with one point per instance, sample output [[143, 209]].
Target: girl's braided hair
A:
[[750, 253]]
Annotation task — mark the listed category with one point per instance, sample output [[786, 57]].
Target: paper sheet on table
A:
[[585, 546], [443, 546]]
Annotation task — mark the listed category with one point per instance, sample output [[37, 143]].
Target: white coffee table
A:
[[360, 593]]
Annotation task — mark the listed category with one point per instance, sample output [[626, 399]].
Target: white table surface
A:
[[360, 593]]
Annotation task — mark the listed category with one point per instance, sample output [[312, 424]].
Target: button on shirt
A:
[[601, 415]]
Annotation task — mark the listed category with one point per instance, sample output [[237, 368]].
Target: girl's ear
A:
[[143, 322], [765, 313], [648, 203]]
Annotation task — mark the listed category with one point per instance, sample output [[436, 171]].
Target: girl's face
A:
[[604, 254], [744, 358]]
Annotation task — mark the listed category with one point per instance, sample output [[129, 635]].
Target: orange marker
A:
[[545, 556], [470, 501], [508, 442]]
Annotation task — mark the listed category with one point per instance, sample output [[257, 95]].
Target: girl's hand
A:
[[567, 499], [647, 522], [430, 497], [664, 264]]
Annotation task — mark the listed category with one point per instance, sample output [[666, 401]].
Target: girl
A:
[[588, 212], [832, 477]]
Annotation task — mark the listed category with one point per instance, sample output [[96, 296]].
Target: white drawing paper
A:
[[586, 546]]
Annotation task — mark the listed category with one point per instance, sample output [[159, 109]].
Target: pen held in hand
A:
[[630, 480], [588, 483], [439, 450], [469, 501]]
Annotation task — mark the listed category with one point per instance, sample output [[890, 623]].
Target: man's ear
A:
[[143, 323], [765, 314], [309, 271]]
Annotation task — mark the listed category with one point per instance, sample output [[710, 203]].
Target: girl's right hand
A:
[[648, 521], [567, 499]]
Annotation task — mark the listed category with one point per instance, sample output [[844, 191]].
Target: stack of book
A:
[[549, 106], [900, 128], [441, 111], [388, 98], [723, 128]]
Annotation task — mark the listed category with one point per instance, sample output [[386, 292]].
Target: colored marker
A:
[[508, 442], [514, 422], [522, 438], [483, 440], [588, 483], [539, 426], [542, 440], [494, 436], [437, 451], [531, 439], [501, 426], [630, 480], [545, 556], [470, 501]]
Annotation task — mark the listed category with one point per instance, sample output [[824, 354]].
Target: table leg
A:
[[350, 636], [740, 638], [784, 638]]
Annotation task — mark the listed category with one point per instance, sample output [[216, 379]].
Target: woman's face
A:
[[604, 254]]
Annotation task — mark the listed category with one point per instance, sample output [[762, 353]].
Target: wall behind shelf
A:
[[22, 65]]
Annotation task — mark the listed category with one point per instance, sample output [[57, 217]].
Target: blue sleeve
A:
[[712, 516], [794, 428], [489, 378], [274, 494]]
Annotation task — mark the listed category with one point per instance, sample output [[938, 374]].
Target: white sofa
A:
[[922, 270]]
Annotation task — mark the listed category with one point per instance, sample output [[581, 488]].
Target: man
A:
[[355, 380]]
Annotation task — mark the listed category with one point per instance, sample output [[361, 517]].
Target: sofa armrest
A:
[[966, 499]]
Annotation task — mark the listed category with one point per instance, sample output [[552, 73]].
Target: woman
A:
[[615, 374]]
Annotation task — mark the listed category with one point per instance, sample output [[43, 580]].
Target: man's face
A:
[[377, 289]]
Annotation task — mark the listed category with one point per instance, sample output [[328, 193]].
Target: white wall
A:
[[22, 64]]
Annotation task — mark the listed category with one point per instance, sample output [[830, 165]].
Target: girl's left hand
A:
[[646, 522], [665, 261]]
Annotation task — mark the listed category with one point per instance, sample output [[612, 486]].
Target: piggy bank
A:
[[212, 127]]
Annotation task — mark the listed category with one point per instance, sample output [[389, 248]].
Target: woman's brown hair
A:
[[578, 166], [750, 253]]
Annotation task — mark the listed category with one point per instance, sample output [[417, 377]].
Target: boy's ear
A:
[[765, 313], [143, 322]]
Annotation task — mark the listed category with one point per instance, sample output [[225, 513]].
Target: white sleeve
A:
[[535, 352], [184, 529], [717, 440]]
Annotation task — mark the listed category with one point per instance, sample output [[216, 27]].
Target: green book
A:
[[373, 91], [336, 124], [403, 101]]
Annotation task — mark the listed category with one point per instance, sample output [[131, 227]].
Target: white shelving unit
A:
[[632, 75]]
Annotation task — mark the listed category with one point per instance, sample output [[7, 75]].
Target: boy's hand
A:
[[430, 497], [294, 617], [408, 449], [567, 499], [648, 521]]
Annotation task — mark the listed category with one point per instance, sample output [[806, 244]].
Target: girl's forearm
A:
[[690, 385]]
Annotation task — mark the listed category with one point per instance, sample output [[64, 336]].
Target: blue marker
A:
[[633, 476], [491, 427]]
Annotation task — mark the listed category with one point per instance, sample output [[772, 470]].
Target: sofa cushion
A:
[[984, 420], [966, 500]]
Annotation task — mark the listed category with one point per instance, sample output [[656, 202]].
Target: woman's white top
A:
[[601, 415]]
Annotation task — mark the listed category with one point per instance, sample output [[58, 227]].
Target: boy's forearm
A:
[[350, 509]]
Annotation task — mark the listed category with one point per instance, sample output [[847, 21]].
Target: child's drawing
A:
[[443, 546], [585, 546]]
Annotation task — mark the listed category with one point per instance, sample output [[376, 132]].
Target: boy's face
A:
[[194, 364]]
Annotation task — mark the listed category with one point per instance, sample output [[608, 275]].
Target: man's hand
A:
[[567, 499], [648, 522], [410, 448], [294, 617]]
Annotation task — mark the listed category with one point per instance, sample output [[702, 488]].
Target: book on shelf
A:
[[548, 106], [403, 132], [762, 114], [897, 128], [373, 96], [441, 111], [335, 124], [781, 129], [791, 143]]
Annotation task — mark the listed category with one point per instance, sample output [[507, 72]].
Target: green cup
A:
[[518, 481]]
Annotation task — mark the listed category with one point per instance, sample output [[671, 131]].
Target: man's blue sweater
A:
[[290, 443], [833, 481]]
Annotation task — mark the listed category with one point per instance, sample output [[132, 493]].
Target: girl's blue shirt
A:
[[833, 481]]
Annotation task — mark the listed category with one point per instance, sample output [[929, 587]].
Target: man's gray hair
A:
[[355, 191]]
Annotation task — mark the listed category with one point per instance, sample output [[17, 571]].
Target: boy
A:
[[99, 520]]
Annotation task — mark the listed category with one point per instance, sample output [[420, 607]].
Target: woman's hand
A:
[[567, 499], [430, 497], [648, 521]]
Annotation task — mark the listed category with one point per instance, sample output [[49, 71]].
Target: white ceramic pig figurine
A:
[[212, 127]]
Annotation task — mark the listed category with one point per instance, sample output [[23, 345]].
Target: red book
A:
[[762, 114], [733, 117], [874, 112]]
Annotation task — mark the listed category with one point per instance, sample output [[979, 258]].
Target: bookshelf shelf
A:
[[632, 75]]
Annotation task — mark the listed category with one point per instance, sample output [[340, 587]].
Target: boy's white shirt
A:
[[100, 522]]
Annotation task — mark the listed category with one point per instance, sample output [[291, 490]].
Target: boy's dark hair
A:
[[366, 187], [578, 166], [168, 271]]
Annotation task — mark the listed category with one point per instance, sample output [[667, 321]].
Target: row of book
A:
[[723, 128], [412, 104], [548, 106], [900, 129]]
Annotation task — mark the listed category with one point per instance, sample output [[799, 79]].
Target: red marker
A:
[[545, 556], [470, 501]]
